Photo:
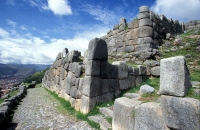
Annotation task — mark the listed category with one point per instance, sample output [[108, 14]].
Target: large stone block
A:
[[122, 69], [132, 34], [92, 68], [124, 114], [97, 49], [92, 86], [145, 31], [132, 81], [149, 116], [174, 76], [73, 56], [143, 15], [145, 22], [144, 9], [73, 91], [133, 24], [129, 48], [181, 113], [87, 103], [105, 97], [155, 71], [124, 84], [111, 43], [112, 71], [113, 84], [104, 69]]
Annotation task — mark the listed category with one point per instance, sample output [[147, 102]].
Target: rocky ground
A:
[[39, 110]]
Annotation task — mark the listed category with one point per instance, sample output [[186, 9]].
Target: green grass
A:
[[65, 106], [195, 74], [149, 97], [38, 85], [109, 119], [1, 101], [13, 93], [192, 94]]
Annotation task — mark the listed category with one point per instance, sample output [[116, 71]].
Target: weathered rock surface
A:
[[149, 116], [94, 53], [174, 76], [123, 118], [104, 125], [146, 89], [155, 71], [181, 113]]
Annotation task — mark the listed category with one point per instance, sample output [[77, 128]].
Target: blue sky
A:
[[34, 31]]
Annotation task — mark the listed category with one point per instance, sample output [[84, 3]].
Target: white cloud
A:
[[22, 27], [107, 16], [10, 22], [59, 7], [11, 2], [178, 9], [3, 33], [28, 49]]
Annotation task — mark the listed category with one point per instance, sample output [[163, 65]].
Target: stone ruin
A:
[[93, 81], [173, 111], [85, 83], [140, 38]]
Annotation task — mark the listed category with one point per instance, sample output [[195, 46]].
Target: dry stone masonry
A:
[[138, 40], [92, 81], [173, 111]]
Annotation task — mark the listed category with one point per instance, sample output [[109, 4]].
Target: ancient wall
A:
[[93, 80], [140, 38], [172, 111], [193, 24]]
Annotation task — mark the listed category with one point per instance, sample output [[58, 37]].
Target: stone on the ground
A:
[[181, 113], [155, 71], [146, 89], [106, 111], [132, 95], [174, 76], [195, 84], [123, 110], [149, 116], [104, 125]]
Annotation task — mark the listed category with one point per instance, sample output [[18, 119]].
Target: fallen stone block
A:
[[146, 89], [149, 116], [174, 76], [181, 113], [124, 114]]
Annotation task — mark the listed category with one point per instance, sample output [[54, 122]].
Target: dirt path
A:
[[38, 110]]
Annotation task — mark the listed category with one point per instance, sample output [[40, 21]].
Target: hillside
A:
[[20, 70]]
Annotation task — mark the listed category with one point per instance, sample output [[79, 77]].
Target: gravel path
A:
[[38, 110]]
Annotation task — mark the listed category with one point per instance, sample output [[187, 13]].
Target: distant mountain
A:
[[20, 70]]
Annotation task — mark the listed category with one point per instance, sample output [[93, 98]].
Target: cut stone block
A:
[[181, 113], [123, 114], [149, 116], [174, 76], [92, 68], [87, 103], [97, 50]]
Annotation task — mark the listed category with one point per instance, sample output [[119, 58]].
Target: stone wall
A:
[[94, 80], [9, 104], [193, 24], [140, 38], [172, 111]]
